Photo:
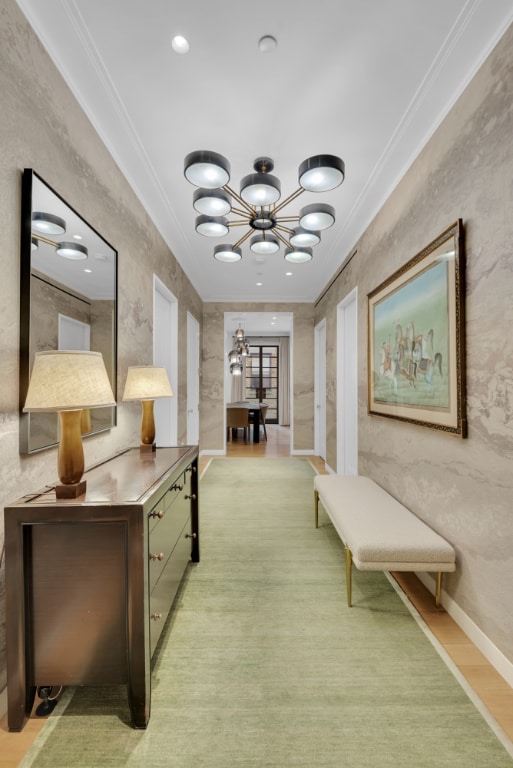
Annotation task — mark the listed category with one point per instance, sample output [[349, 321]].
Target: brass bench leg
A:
[[349, 563], [316, 507], [438, 588]]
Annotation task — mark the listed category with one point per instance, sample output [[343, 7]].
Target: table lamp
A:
[[146, 383], [68, 382]]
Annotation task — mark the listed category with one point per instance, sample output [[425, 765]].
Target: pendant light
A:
[[317, 217], [258, 205], [48, 223]]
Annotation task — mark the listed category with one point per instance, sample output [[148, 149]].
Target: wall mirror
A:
[[68, 299]]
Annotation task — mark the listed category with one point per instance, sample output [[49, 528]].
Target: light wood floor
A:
[[490, 687]]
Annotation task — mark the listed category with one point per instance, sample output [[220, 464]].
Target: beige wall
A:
[[213, 369], [463, 488], [42, 127]]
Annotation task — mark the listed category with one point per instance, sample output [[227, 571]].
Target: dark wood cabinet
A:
[[91, 581]]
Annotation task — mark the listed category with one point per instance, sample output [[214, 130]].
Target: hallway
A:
[[489, 686]]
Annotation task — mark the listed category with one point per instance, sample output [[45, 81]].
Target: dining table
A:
[[254, 416]]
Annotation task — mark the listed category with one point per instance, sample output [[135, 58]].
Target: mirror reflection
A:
[[68, 300]]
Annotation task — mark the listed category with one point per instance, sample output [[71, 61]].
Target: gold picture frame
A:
[[416, 339]]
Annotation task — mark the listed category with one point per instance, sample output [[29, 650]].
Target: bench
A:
[[378, 532]]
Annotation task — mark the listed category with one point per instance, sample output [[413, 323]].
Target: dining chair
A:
[[263, 414], [237, 418]]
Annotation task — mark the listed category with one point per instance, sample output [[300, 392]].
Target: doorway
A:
[[73, 334], [347, 385], [193, 363], [165, 354], [320, 390], [262, 377]]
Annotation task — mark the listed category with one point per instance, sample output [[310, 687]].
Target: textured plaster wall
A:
[[462, 488], [214, 365], [42, 127]]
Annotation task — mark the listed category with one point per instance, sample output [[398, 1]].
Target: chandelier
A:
[[50, 224], [240, 350], [257, 206]]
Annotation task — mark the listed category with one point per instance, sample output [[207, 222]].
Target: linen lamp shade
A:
[[146, 383], [69, 382]]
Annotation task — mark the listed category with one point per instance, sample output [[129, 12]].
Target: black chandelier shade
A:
[[317, 216], [321, 173], [257, 205], [207, 169], [48, 223], [211, 202]]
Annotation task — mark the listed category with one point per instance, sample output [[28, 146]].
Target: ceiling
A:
[[366, 80]]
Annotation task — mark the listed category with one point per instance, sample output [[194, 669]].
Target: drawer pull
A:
[[157, 556], [156, 616], [157, 513], [191, 469], [191, 536], [177, 487], [192, 496]]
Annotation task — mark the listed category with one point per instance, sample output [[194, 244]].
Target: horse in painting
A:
[[425, 361]]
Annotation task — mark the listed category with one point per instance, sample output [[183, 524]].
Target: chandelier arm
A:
[[243, 213], [280, 237], [42, 239], [238, 223], [244, 237], [282, 229], [287, 200], [238, 198], [281, 219]]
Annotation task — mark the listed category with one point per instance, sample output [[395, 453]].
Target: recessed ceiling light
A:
[[288, 274], [180, 44], [259, 283], [267, 44], [77, 237], [88, 270]]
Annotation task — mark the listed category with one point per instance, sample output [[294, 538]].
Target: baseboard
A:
[[212, 453], [496, 658], [302, 453], [329, 470]]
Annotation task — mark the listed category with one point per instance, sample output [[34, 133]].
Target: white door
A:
[[73, 334], [165, 354], [193, 364], [320, 390], [347, 386]]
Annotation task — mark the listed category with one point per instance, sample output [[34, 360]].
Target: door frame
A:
[[166, 354], [193, 379], [320, 389], [347, 384]]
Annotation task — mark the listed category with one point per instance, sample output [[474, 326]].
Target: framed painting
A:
[[416, 339]]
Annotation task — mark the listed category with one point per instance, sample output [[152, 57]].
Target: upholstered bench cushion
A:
[[381, 533]]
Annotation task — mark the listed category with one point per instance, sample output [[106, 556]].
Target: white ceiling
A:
[[259, 323], [367, 80]]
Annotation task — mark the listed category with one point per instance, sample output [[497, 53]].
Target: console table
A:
[[90, 581]]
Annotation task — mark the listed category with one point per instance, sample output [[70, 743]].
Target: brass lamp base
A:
[[71, 490], [70, 458]]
